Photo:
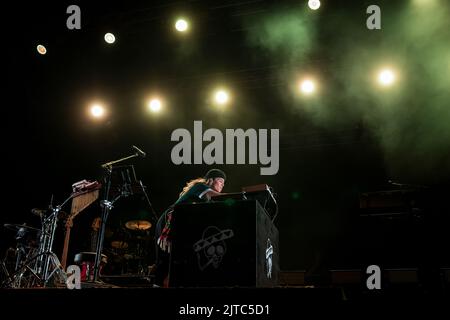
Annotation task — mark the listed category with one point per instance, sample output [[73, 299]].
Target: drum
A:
[[86, 261]]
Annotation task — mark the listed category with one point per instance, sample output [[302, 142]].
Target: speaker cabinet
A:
[[223, 244]]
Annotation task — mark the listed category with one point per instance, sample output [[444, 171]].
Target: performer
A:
[[197, 190]]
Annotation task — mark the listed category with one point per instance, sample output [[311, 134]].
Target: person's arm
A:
[[210, 193], [213, 193]]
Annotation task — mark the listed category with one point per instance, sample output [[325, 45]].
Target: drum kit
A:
[[35, 263], [128, 248]]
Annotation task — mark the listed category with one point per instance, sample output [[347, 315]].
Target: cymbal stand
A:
[[42, 267], [4, 270], [47, 263], [14, 279], [20, 247]]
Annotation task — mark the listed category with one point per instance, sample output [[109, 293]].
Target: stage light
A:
[[221, 97], [181, 25], [110, 38], [314, 4], [97, 111], [307, 86], [41, 49], [155, 105], [386, 77]]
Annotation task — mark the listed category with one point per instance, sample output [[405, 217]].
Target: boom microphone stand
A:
[[144, 191], [107, 205]]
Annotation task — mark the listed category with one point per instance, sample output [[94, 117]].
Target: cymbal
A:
[[138, 225], [17, 227], [119, 244]]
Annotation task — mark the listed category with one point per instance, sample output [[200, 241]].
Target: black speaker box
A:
[[223, 244]]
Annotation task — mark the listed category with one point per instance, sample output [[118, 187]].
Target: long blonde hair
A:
[[191, 183]]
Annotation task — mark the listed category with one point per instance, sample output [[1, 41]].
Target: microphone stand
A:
[[155, 216], [108, 165], [106, 208]]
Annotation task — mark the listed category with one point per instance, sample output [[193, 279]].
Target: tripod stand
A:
[[30, 275], [43, 268]]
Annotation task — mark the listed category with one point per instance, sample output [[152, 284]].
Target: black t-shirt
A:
[[195, 194]]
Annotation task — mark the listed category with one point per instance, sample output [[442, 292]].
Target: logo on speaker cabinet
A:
[[269, 254], [211, 248]]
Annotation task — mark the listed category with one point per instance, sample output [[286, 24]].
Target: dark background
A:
[[352, 138]]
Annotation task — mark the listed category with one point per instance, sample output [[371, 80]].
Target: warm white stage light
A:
[[307, 86], [314, 4], [386, 77], [221, 97], [41, 49], [181, 25], [110, 38], [97, 111], [155, 105]]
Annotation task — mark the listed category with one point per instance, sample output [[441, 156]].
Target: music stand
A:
[[123, 181]]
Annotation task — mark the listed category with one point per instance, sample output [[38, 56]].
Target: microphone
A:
[[139, 151]]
